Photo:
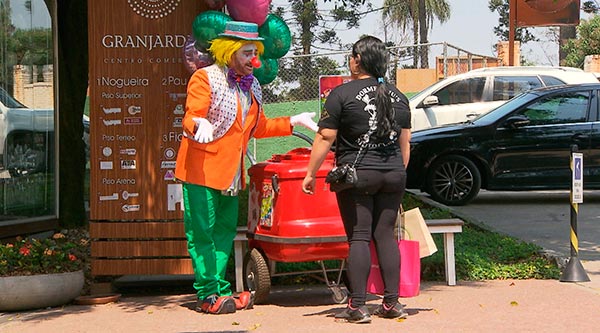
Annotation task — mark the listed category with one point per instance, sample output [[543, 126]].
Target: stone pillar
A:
[[48, 73], [21, 77], [592, 63], [502, 48]]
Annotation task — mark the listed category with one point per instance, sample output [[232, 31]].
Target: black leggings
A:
[[369, 209]]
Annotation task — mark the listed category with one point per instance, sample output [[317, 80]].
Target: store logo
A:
[[153, 9], [167, 164], [111, 110], [133, 120], [169, 153], [127, 151], [126, 195], [169, 175], [114, 196], [130, 208], [134, 109], [178, 122], [111, 122], [128, 165], [178, 109]]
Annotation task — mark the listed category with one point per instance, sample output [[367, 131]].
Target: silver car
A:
[[462, 97]]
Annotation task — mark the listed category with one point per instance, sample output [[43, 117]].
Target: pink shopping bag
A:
[[410, 270]]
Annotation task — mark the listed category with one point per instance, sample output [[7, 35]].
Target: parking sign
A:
[[577, 190]]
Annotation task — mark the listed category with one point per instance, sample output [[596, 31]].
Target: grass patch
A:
[[486, 255]]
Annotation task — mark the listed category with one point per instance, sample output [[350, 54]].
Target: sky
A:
[[21, 18], [470, 27]]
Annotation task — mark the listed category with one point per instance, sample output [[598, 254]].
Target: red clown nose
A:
[[255, 62]]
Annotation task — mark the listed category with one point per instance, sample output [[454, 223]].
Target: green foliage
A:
[[57, 254], [418, 15], [486, 255], [502, 29], [31, 46], [586, 43], [311, 29]]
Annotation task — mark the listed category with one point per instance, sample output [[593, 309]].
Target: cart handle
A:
[[294, 133]]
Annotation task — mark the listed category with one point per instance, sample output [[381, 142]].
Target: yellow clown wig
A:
[[223, 48]]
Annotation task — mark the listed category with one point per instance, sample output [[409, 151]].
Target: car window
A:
[[558, 109], [551, 80], [463, 91], [506, 87], [9, 101]]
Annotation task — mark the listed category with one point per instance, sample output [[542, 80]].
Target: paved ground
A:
[[494, 306], [491, 306]]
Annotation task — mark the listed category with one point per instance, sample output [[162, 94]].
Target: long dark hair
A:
[[374, 61]]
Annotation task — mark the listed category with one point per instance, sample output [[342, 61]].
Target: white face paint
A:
[[241, 61]]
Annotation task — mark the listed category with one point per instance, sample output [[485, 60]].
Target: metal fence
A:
[[298, 76]]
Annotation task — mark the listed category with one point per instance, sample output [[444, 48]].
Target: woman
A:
[[370, 113]]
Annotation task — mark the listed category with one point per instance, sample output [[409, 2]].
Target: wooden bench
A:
[[447, 227]]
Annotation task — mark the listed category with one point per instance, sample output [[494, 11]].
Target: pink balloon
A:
[[195, 58], [254, 11], [215, 4]]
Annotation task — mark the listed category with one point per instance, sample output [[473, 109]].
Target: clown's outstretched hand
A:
[[304, 119], [204, 130]]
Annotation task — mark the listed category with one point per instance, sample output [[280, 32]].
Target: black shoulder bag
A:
[[344, 176]]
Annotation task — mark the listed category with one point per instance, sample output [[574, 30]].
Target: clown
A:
[[223, 112]]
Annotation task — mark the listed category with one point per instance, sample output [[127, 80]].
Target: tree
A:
[[31, 46], [5, 33], [522, 35], [420, 15], [73, 77], [311, 29], [586, 43]]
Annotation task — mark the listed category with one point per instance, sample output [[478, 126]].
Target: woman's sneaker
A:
[[358, 315], [216, 305], [391, 311]]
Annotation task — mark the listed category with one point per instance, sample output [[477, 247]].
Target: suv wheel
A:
[[453, 180]]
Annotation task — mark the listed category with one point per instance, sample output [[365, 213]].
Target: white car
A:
[[25, 136], [465, 96]]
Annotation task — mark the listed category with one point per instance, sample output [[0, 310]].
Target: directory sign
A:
[[137, 89]]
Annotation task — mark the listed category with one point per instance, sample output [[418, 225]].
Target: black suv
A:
[[525, 144]]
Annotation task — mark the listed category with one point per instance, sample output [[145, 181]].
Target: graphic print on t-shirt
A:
[[371, 109]]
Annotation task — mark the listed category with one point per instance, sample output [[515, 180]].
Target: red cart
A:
[[287, 225]]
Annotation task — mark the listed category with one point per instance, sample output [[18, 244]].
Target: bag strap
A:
[[401, 212], [363, 147], [400, 227]]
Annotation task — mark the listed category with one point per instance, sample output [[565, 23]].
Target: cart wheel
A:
[[340, 296], [257, 277]]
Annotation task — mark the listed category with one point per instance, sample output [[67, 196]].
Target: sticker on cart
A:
[[253, 206], [266, 205]]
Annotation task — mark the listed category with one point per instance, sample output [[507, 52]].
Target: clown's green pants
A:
[[210, 220]]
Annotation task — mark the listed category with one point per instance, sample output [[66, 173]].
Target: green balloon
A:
[[267, 72], [207, 26], [278, 38]]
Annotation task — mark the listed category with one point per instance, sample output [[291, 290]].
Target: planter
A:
[[39, 291]]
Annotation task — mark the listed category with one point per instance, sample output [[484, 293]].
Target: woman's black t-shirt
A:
[[350, 108]]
